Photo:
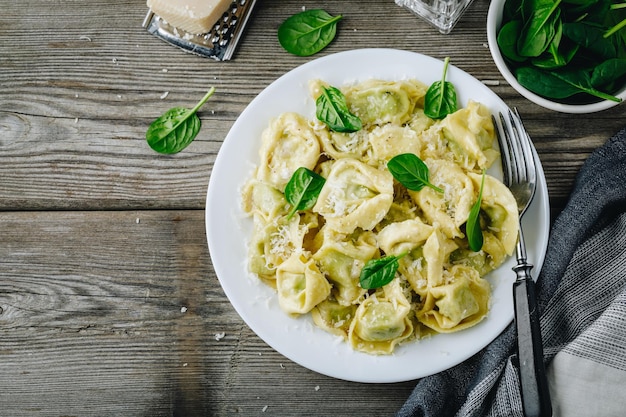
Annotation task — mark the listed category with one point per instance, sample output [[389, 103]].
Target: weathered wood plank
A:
[[120, 313], [109, 304], [76, 102]]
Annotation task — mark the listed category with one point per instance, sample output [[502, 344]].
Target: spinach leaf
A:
[[440, 99], [409, 170], [558, 55], [507, 40], [571, 45], [543, 83], [615, 20], [332, 109], [302, 190], [552, 58], [379, 272], [555, 58], [591, 37], [512, 10], [472, 226], [581, 80], [559, 84], [616, 28], [539, 29], [308, 32], [608, 72], [584, 3], [175, 129]]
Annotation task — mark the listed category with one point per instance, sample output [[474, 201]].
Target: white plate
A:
[[228, 230]]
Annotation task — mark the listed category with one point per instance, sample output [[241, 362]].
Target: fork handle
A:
[[533, 381]]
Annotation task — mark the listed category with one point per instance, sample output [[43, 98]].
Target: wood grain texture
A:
[[120, 313], [109, 304], [76, 102]]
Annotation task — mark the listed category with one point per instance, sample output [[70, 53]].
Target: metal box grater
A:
[[220, 43]]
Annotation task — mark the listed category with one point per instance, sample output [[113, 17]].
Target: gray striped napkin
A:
[[582, 297]]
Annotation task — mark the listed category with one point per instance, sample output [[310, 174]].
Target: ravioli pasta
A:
[[314, 258]]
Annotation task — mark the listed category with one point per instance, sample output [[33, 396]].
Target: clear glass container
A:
[[443, 14]]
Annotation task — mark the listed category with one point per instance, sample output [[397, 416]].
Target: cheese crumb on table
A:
[[193, 16]]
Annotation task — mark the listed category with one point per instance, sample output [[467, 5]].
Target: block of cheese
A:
[[193, 16]]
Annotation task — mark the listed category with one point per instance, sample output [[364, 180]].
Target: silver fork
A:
[[520, 175]]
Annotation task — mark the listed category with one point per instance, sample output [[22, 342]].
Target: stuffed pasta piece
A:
[[465, 137], [381, 321], [499, 220], [354, 195], [389, 140], [378, 102], [459, 302], [450, 297], [450, 209], [341, 258], [288, 143], [275, 236], [334, 317], [300, 285], [470, 135]]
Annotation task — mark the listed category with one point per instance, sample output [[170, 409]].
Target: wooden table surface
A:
[[109, 305]]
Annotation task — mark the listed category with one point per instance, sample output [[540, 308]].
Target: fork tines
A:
[[518, 163]]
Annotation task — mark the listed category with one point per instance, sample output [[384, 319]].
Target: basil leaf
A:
[[379, 272], [302, 190], [175, 129], [332, 109], [440, 99], [308, 32], [409, 170], [472, 226]]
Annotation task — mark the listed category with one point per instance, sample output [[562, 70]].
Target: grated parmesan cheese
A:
[[280, 241]]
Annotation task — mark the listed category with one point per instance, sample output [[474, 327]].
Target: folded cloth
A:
[[581, 294]]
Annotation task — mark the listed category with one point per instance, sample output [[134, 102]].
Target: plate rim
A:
[[539, 205]]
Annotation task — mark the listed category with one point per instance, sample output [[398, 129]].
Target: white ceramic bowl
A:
[[494, 20]]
